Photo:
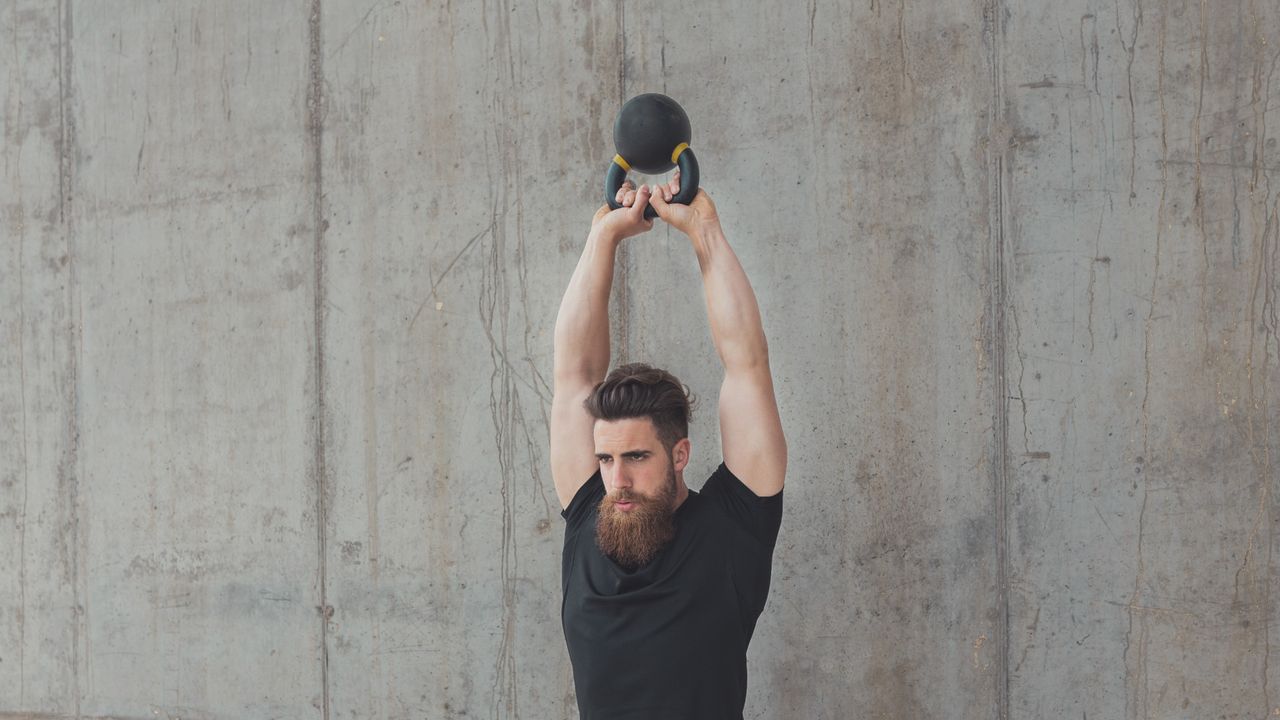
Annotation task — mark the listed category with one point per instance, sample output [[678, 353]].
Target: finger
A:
[[641, 202], [626, 185], [674, 185], [659, 204]]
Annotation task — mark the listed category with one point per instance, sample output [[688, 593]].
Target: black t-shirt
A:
[[669, 640]]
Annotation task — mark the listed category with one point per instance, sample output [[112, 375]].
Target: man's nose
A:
[[621, 479]]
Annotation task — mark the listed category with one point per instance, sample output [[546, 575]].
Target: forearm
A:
[[732, 309], [582, 325]]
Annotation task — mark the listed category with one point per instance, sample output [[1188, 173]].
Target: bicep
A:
[[751, 430], [573, 460]]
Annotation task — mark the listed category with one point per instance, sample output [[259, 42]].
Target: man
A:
[[662, 584]]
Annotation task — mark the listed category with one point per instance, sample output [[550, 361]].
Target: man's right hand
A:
[[628, 220], [692, 219]]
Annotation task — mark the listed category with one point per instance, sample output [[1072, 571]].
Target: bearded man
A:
[[662, 584]]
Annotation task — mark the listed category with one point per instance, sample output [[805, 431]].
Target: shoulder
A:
[[585, 501], [760, 516], [724, 481]]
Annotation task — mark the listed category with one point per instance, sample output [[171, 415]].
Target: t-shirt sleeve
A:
[[761, 517], [587, 497]]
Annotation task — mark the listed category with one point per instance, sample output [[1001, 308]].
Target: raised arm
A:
[[751, 435], [581, 357]]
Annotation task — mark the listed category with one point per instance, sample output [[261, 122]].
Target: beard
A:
[[633, 538]]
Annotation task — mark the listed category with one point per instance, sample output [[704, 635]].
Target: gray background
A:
[[277, 286]]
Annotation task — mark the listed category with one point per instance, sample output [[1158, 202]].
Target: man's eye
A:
[[604, 460]]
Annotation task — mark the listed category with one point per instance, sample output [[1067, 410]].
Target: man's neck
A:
[[682, 492]]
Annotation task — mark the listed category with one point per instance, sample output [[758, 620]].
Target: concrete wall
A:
[[277, 285]]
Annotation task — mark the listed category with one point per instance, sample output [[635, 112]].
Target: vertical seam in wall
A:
[[996, 222], [1002, 454], [69, 472], [315, 136], [623, 254], [64, 182]]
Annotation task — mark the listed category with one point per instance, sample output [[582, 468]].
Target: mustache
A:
[[653, 502], [632, 538]]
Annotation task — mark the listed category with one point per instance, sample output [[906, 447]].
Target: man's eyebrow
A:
[[625, 453]]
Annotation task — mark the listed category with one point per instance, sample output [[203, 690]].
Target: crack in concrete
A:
[[1199, 188], [495, 306], [907, 78], [1131, 49], [1141, 676], [1260, 98]]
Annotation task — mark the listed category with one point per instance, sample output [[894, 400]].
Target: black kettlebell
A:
[[651, 135]]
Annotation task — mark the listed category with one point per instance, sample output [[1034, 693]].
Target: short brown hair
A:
[[639, 390]]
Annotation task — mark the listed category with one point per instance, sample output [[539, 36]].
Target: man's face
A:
[[633, 459], [641, 486]]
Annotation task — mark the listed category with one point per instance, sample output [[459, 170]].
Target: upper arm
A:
[[573, 460], [751, 429]]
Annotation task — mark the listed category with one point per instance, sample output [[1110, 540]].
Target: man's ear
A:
[[680, 454]]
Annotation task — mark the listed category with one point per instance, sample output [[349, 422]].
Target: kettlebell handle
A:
[[685, 160]]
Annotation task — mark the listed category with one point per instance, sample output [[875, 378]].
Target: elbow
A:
[[746, 356]]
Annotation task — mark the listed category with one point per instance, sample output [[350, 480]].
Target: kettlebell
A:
[[651, 135]]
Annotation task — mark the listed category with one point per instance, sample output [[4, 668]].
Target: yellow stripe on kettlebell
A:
[[675, 154], [621, 163]]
